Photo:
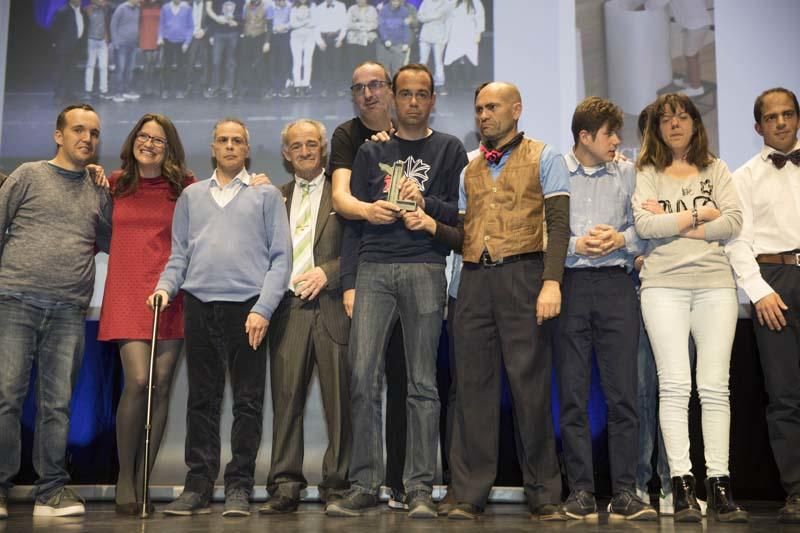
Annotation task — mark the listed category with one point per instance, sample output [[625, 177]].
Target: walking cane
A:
[[149, 418]]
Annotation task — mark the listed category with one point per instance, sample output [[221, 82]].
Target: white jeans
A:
[[98, 54], [425, 49], [670, 315], [302, 43]]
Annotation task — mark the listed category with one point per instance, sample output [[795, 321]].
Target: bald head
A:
[[498, 107], [502, 89]]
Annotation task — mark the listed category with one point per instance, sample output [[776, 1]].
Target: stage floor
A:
[[309, 518]]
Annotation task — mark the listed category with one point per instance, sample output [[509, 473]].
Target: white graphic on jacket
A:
[[415, 170]]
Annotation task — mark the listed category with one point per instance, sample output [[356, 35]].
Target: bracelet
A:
[[695, 218]]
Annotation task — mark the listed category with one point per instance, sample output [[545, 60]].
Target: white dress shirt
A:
[[78, 20], [316, 197], [330, 19], [223, 195], [770, 199]]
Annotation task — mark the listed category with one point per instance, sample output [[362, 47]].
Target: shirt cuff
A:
[[755, 287]]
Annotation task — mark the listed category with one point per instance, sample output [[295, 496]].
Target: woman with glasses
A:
[[686, 204], [144, 192]]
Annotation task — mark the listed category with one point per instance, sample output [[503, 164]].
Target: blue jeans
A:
[[414, 293], [53, 339], [125, 57]]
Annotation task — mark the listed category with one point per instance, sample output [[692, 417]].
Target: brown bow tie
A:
[[779, 160]]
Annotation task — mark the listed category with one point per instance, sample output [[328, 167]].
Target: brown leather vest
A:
[[505, 217]]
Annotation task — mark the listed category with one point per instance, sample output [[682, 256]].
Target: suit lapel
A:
[[325, 208], [288, 192]]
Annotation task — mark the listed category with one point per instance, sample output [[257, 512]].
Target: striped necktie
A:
[[302, 245]]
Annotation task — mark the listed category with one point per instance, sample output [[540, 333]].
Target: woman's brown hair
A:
[[173, 169], [655, 151]]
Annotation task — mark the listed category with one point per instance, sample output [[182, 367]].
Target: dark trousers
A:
[[330, 65], [252, 64], [396, 392], [64, 78], [173, 69], [495, 326], [780, 361], [600, 312], [223, 56], [279, 61], [197, 58], [216, 342], [298, 340]]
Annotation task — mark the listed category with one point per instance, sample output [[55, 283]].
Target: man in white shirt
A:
[[330, 18], [766, 259]]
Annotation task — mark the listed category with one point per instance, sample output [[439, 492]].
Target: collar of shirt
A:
[[575, 167], [242, 177], [316, 182], [766, 151]]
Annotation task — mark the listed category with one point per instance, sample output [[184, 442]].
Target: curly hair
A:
[[173, 169]]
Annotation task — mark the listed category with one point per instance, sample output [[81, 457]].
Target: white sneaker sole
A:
[[45, 510], [170, 512]]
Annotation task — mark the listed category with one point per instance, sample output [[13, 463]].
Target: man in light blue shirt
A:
[[599, 312], [231, 256]]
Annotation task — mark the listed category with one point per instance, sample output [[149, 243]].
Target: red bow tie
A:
[[779, 160], [492, 156]]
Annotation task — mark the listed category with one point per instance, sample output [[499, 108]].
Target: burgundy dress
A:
[[141, 240]]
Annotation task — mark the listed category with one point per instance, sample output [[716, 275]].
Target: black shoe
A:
[[684, 500], [278, 505], [464, 511], [626, 505], [420, 505], [790, 513], [580, 505], [356, 503], [548, 512], [720, 501], [447, 503]]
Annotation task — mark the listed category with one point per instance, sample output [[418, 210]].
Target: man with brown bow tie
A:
[[309, 327], [766, 259]]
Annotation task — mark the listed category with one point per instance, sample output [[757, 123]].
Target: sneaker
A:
[[679, 81], [625, 505], [580, 505], [106, 96], [356, 503], [3, 506], [643, 495], [693, 92], [398, 500], [549, 512], [210, 93], [118, 98], [64, 502], [665, 506], [789, 513], [278, 505], [131, 96], [420, 505], [237, 503], [446, 504], [464, 511], [188, 503]]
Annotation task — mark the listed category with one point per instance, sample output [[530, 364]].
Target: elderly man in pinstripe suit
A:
[[310, 326]]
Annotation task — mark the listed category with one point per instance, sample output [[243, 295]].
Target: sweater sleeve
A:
[[174, 273], [729, 223], [556, 212], [279, 242], [649, 225], [444, 207]]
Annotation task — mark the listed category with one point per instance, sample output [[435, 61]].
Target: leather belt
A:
[[786, 258], [486, 260]]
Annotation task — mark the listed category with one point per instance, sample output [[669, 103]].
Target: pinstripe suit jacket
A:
[[327, 249]]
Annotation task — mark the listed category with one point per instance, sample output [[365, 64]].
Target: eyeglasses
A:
[[374, 85], [158, 142], [421, 96]]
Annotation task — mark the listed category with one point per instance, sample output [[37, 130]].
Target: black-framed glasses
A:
[[374, 85], [158, 142]]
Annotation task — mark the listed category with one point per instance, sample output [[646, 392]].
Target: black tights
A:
[[132, 410]]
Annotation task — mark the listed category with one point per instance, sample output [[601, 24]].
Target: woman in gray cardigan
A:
[[686, 204]]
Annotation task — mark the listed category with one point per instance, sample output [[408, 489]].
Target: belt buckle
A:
[[487, 262]]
